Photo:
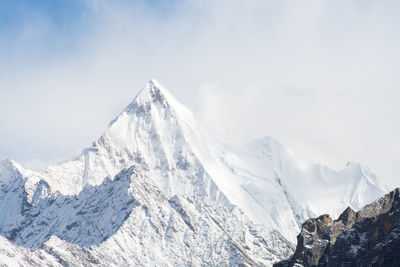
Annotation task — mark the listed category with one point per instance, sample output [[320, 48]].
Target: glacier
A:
[[158, 189]]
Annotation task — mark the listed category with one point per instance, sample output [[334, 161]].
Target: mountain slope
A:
[[271, 184], [158, 137], [129, 221]]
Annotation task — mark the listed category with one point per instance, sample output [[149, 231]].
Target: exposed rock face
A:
[[370, 237]]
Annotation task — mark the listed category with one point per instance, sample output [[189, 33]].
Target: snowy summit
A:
[[157, 189]]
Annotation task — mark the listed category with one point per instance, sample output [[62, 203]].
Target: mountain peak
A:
[[153, 87], [152, 92], [157, 134], [155, 96]]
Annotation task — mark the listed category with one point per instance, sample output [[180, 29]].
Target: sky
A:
[[320, 76]]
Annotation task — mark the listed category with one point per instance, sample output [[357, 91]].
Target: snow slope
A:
[[159, 136], [129, 221]]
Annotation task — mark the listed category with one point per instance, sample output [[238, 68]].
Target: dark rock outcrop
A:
[[369, 237]]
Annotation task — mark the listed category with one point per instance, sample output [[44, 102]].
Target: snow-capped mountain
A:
[[129, 221], [158, 182]]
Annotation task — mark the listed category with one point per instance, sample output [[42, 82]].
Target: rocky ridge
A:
[[369, 237]]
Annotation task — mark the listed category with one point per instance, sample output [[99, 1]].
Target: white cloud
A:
[[322, 76]]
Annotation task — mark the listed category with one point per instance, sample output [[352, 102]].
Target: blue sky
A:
[[46, 29], [321, 76], [42, 25]]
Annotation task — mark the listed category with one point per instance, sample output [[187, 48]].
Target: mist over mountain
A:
[[157, 188]]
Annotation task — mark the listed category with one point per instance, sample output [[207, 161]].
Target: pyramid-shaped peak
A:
[[153, 93], [153, 86], [154, 83]]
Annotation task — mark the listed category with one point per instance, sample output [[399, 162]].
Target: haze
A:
[[320, 76]]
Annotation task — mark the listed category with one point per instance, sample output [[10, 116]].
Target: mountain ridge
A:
[[369, 237], [159, 134], [262, 182]]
